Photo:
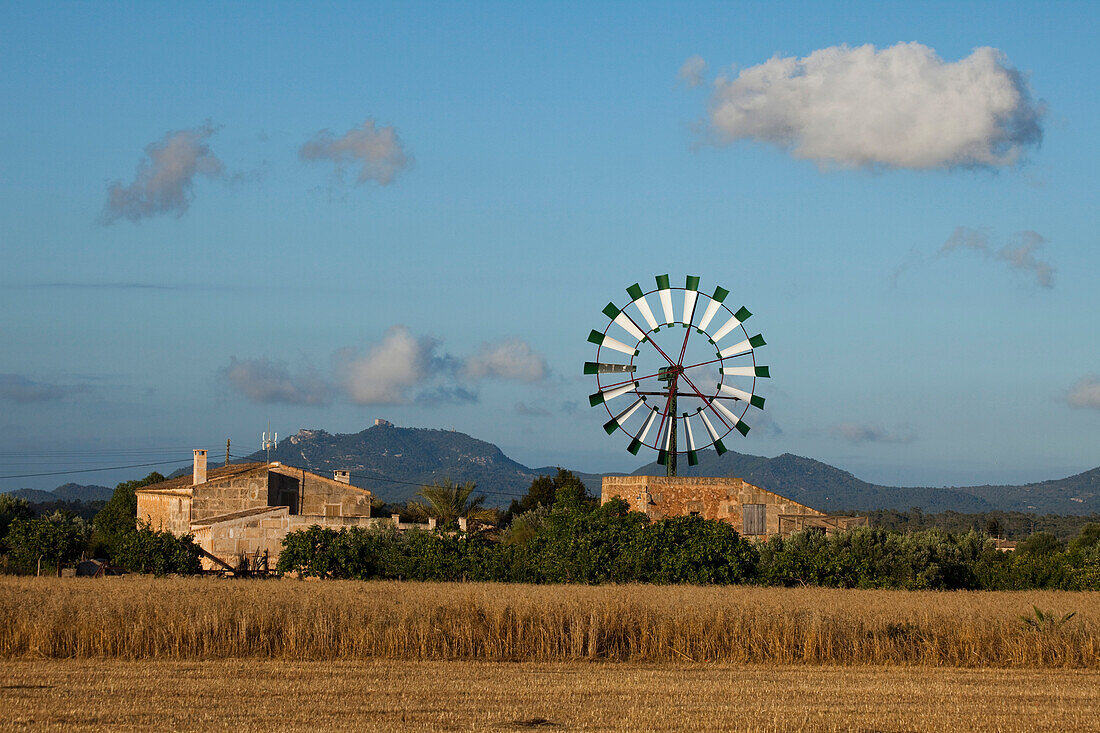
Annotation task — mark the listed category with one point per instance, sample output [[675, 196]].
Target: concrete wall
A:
[[167, 511], [711, 498]]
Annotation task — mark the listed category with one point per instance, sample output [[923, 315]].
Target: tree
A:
[[11, 509], [118, 518], [1040, 543], [55, 539], [545, 490], [447, 501]]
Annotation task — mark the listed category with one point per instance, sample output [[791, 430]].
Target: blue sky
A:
[[493, 174]]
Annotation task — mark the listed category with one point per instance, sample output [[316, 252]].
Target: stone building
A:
[[753, 511], [245, 510]]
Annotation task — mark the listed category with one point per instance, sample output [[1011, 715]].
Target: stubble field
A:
[[138, 652]]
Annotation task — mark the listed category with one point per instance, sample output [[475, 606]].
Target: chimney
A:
[[198, 476], [342, 475]]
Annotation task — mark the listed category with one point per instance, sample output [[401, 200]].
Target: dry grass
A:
[[382, 695], [145, 618]]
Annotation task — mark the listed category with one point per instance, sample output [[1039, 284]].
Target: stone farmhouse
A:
[[753, 511], [244, 510]]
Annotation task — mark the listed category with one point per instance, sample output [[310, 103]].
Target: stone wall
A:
[[228, 495], [724, 499], [327, 497], [254, 532], [165, 511]]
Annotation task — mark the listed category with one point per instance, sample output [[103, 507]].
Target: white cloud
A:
[[268, 381], [509, 359], [375, 151], [899, 107], [854, 432], [1019, 253], [165, 176], [1086, 393], [17, 388], [387, 373], [691, 73]]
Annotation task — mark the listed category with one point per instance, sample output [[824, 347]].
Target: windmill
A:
[[667, 375]]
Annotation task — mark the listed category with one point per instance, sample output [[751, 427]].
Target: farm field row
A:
[[387, 695], [205, 618]]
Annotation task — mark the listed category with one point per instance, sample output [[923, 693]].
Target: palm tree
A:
[[446, 501]]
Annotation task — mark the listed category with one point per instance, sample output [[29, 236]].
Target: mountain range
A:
[[393, 462], [65, 492]]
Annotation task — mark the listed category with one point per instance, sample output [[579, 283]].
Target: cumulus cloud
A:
[[691, 73], [1018, 253], [1086, 393], [20, 389], [508, 359], [164, 180], [386, 373], [269, 381], [854, 432], [898, 107], [376, 152]]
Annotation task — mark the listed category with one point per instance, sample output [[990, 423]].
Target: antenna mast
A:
[[269, 440]]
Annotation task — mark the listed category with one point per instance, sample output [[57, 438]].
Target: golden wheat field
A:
[[206, 618], [396, 695]]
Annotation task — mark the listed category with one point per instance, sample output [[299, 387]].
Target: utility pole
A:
[[227, 451]]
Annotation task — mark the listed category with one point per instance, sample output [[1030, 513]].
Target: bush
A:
[[50, 541], [149, 551]]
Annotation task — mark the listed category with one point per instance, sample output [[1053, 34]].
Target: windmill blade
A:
[[623, 321], [602, 339], [739, 394], [635, 292], [666, 299], [713, 434], [598, 367], [746, 371], [733, 419], [738, 318], [608, 395], [715, 303], [613, 424], [693, 456], [639, 439], [691, 295], [743, 347], [662, 455]]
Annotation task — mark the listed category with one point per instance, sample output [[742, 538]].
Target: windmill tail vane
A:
[[676, 380]]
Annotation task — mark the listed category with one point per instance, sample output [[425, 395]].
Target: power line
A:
[[421, 483], [93, 470]]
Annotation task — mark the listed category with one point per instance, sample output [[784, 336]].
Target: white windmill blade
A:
[[693, 455], [623, 321], [666, 299], [743, 347], [599, 367], [712, 308], [638, 298], [746, 371], [691, 295], [610, 394], [730, 417], [602, 339], [739, 394], [613, 424], [736, 320], [714, 437], [639, 439]]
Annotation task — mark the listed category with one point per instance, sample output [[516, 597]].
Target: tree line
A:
[[558, 533]]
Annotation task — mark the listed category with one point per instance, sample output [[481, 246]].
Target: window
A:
[[753, 517], [332, 510]]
